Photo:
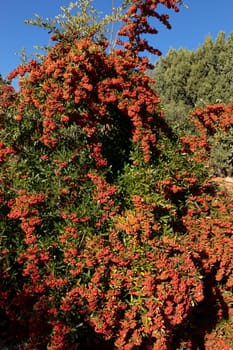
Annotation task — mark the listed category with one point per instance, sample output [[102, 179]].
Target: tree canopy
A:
[[193, 79], [196, 78]]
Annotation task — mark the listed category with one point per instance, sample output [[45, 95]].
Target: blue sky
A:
[[189, 27]]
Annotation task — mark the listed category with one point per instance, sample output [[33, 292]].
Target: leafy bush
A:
[[111, 235], [213, 142]]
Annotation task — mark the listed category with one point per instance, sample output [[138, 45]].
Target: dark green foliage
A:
[[186, 79]]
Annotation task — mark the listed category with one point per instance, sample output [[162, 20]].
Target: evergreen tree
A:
[[171, 75], [224, 86], [186, 79]]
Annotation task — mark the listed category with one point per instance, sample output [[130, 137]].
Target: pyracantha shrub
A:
[[213, 142], [111, 234]]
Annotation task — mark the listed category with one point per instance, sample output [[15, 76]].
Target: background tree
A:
[[194, 78], [224, 86], [171, 75], [189, 79]]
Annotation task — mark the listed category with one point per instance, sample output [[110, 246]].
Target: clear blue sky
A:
[[189, 27]]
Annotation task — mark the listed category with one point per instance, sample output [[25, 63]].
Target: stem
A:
[[112, 30]]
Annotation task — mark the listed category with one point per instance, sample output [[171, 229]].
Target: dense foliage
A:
[[213, 143], [186, 79], [112, 235], [193, 79]]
